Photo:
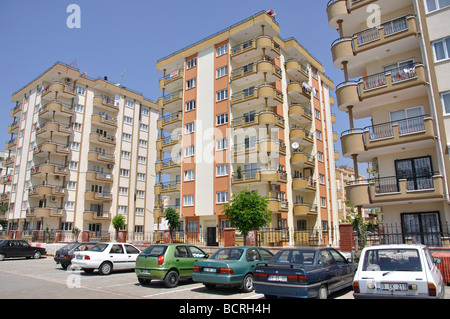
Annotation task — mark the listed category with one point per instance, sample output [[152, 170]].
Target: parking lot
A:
[[43, 278]]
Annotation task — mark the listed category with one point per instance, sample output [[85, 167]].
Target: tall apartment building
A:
[[81, 151], [246, 109], [394, 55]]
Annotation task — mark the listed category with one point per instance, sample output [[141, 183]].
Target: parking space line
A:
[[172, 291]]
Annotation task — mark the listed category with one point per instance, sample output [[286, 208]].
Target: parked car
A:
[[232, 266], [19, 248], [398, 271], [106, 257], [304, 273], [64, 255], [170, 262]]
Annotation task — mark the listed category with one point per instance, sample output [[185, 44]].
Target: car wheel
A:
[[143, 281], [2, 256], [64, 266], [36, 255], [171, 279], [247, 283], [105, 268], [323, 292]]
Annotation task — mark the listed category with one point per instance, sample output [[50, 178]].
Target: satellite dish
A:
[[295, 145]]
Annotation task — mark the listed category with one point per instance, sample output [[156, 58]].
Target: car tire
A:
[[2, 256], [36, 255], [247, 283], [144, 281], [105, 268], [171, 279], [323, 292]]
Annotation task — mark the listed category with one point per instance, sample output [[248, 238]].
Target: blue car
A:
[[304, 273]]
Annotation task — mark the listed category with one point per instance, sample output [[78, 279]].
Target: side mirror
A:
[[437, 260], [349, 260]]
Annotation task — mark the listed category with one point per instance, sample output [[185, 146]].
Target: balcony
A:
[[262, 175], [300, 92], [106, 102], [99, 177], [395, 85], [49, 110], [9, 161], [252, 49], [302, 159], [301, 135], [305, 209], [410, 134], [261, 119], [277, 205], [168, 142], [58, 89], [96, 215], [262, 70], [390, 38], [6, 179], [98, 156], [104, 120], [168, 164], [50, 147], [304, 184], [16, 111], [172, 80], [263, 95], [39, 212], [170, 121], [296, 70], [103, 139], [300, 113], [91, 195], [44, 169], [52, 129], [11, 144], [166, 188], [262, 146], [423, 187], [14, 128], [172, 101], [47, 190]]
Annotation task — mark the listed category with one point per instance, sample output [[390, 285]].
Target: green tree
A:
[[358, 224], [247, 211], [173, 219], [118, 222]]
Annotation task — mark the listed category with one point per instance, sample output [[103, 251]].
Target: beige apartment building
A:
[[395, 59], [81, 151], [246, 109]]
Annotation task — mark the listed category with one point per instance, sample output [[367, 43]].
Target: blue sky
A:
[[132, 35]]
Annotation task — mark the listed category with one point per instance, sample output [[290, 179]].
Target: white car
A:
[[398, 271], [106, 257]]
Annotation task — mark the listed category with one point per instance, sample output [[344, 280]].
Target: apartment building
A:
[[81, 151], [246, 109], [394, 55]]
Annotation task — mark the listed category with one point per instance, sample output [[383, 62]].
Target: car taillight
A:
[[160, 260], [87, 257], [226, 271], [356, 287], [259, 276], [431, 289], [196, 269], [67, 257], [297, 278]]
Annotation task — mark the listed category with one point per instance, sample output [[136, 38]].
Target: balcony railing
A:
[[398, 74], [406, 126], [390, 27]]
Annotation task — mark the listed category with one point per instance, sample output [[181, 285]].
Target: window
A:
[[222, 144], [222, 197], [223, 71], [78, 108], [69, 205], [80, 90], [124, 172], [126, 155], [441, 49], [145, 111], [418, 173], [140, 194], [122, 210], [142, 160], [190, 105], [129, 103], [128, 120], [189, 175], [188, 200], [445, 99], [190, 128], [319, 135], [126, 137], [433, 5], [222, 119], [320, 156], [317, 113], [73, 165], [144, 127], [142, 143], [139, 211], [222, 95], [191, 83], [222, 50], [191, 63], [77, 127], [71, 185], [74, 146], [222, 170], [123, 190], [192, 226], [140, 176], [321, 179], [323, 202], [189, 151]]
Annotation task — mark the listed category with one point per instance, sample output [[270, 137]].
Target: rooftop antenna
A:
[[122, 75]]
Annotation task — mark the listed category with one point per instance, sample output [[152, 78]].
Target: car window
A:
[[116, 249], [131, 250], [253, 255], [181, 251], [391, 260], [429, 257], [327, 259], [228, 253], [197, 252], [305, 257], [24, 244], [265, 254], [155, 251], [338, 258], [99, 247]]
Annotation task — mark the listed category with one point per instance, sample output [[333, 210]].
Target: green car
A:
[[170, 262], [231, 266]]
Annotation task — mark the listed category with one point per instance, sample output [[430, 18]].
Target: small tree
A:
[[173, 219], [118, 222], [359, 226], [247, 211]]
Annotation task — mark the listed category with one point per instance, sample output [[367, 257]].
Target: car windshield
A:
[[228, 253], [392, 260], [302, 257], [155, 251], [99, 247], [70, 246]]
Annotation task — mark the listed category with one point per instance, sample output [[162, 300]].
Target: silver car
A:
[[398, 271]]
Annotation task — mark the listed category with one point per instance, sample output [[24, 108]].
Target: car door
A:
[[183, 260], [132, 254], [10, 248], [25, 249], [330, 269], [117, 256], [345, 273]]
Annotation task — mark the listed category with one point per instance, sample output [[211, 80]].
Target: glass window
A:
[[131, 250], [445, 98], [392, 260], [265, 254], [228, 254], [197, 252], [181, 251], [253, 255]]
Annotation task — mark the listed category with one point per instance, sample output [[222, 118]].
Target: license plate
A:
[[61, 256], [277, 278], [79, 257], [393, 287], [209, 269], [145, 271]]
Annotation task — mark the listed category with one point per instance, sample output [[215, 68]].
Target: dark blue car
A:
[[304, 273]]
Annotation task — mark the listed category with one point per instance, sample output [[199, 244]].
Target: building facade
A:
[[394, 56], [246, 109], [81, 151]]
